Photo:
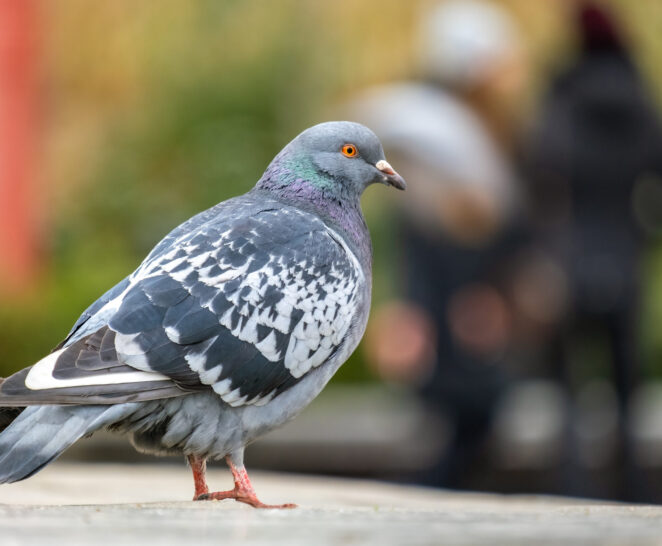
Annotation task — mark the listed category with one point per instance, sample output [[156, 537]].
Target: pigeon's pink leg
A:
[[199, 467], [243, 489]]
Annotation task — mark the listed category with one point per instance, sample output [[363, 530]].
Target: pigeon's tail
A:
[[41, 433]]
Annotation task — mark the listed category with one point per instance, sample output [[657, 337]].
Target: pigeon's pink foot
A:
[[243, 489], [199, 468], [240, 495]]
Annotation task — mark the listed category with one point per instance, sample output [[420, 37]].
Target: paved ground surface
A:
[[121, 504]]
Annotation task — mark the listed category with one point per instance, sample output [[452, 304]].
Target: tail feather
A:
[[41, 433]]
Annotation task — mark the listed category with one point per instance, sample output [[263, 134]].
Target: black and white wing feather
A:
[[246, 302]]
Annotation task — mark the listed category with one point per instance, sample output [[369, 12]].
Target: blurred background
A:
[[513, 344]]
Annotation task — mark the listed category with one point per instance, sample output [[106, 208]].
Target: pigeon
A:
[[232, 324]]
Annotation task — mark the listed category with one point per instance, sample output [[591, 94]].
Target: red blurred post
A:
[[18, 128]]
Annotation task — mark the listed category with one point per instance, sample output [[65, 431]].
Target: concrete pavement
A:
[[76, 504]]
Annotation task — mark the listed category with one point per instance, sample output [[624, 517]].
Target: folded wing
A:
[[245, 306]]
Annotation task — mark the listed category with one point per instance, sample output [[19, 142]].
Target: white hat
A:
[[461, 39]]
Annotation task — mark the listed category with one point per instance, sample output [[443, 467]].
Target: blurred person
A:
[[452, 132], [598, 135]]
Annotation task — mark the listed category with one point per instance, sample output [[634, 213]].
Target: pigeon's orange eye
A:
[[349, 150]]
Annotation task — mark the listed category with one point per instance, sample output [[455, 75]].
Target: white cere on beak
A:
[[384, 166]]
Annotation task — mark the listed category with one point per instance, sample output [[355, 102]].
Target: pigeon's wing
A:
[[246, 306], [83, 321], [84, 326]]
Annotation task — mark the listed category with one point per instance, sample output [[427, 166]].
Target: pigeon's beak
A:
[[390, 177]]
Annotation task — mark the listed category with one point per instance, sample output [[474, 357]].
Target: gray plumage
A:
[[41, 433], [231, 325]]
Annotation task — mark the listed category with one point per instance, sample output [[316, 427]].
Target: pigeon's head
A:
[[340, 158]]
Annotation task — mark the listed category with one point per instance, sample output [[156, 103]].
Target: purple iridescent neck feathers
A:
[[294, 180]]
